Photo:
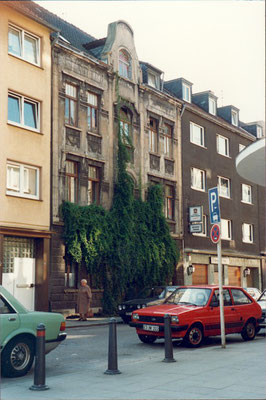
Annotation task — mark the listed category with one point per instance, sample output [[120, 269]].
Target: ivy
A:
[[129, 246]]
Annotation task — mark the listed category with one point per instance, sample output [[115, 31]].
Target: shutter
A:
[[200, 275], [234, 276]]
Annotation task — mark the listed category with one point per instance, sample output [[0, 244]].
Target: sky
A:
[[216, 45]]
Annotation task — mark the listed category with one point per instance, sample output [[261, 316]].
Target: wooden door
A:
[[200, 275], [234, 276]]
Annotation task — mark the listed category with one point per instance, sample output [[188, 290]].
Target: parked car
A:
[[254, 292], [262, 302], [18, 334], [195, 314], [147, 297]]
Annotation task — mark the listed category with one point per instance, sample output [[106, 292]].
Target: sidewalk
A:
[[93, 321]]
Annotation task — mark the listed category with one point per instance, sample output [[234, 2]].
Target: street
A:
[[75, 370]]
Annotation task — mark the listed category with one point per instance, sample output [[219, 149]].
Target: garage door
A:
[[200, 276], [234, 276]]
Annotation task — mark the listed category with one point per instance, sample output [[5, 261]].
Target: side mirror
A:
[[214, 303]]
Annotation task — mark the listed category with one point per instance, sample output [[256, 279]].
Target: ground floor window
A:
[[16, 247]]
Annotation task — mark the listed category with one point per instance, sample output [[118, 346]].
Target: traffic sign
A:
[[215, 233], [214, 207]]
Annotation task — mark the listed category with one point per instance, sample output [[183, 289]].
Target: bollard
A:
[[112, 350], [39, 368], [168, 344]]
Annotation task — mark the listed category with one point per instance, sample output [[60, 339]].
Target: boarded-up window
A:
[[200, 275], [234, 277]]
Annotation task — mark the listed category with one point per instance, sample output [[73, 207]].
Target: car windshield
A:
[[156, 291], [190, 296]]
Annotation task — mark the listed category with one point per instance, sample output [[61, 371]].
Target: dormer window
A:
[[234, 118], [186, 92], [153, 80], [124, 64], [212, 106], [259, 132]]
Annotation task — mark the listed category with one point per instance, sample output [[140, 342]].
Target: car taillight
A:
[[63, 326]]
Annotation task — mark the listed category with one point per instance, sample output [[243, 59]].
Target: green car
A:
[[18, 334]]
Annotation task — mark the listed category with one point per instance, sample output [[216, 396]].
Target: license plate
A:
[[152, 328]]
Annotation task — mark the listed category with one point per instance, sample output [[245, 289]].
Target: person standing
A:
[[83, 300]]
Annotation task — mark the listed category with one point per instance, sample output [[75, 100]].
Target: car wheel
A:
[[17, 357], [194, 336], [147, 338], [249, 331]]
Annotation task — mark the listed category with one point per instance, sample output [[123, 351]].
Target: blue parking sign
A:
[[214, 207]]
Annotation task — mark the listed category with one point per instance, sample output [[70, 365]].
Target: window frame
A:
[[203, 179], [68, 186], [249, 187], [154, 85], [90, 108], [226, 142], [22, 33], [95, 184], [168, 140], [248, 238], [169, 202], [234, 117], [213, 108], [71, 100], [193, 135], [11, 190], [125, 67], [220, 187], [21, 106], [153, 135], [125, 125], [229, 229], [186, 90], [259, 132]]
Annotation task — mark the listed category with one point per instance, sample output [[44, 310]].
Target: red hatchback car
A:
[[195, 314]]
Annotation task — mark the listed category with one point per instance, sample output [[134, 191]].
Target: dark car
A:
[[262, 302], [149, 296]]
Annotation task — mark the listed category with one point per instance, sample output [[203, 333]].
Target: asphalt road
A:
[[75, 370]]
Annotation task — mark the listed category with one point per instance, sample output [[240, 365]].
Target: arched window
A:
[[124, 64]]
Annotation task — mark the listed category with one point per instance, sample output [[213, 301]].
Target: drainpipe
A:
[[182, 110]]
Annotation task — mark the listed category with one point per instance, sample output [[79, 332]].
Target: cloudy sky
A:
[[216, 45]]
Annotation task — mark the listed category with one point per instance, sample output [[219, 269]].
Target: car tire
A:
[[249, 331], [147, 338], [194, 336], [17, 357]]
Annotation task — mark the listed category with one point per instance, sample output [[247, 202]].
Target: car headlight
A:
[[138, 306], [124, 307], [175, 319], [119, 307], [143, 305], [135, 316]]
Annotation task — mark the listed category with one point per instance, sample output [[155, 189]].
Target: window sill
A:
[[22, 196], [199, 145], [96, 134], [224, 155], [225, 197], [73, 127], [25, 128], [199, 190], [26, 61], [246, 202], [169, 158], [154, 154], [247, 242]]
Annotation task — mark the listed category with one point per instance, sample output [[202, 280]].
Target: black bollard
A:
[[39, 368], [168, 344], [112, 350]]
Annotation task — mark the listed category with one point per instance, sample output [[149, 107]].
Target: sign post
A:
[[215, 234]]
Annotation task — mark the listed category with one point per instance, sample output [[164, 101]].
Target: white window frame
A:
[[204, 227], [234, 117], [212, 106], [247, 233], [22, 100], [226, 144], [220, 186], [226, 229], [246, 193], [153, 80], [202, 175], [22, 34], [199, 141], [21, 190], [259, 132], [125, 67], [186, 93], [241, 147]]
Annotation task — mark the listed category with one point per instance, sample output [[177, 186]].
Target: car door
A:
[[9, 319], [243, 308]]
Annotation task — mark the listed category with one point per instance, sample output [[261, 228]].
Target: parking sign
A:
[[214, 207]]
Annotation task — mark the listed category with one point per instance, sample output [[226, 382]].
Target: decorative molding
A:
[[94, 143], [169, 167], [72, 137], [155, 162]]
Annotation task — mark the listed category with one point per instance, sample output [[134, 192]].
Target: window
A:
[[224, 187], [125, 125], [167, 140], [234, 118], [240, 297], [246, 194], [186, 92], [196, 134], [241, 147], [24, 45], [153, 80], [71, 105], [71, 181], [153, 137], [212, 106], [14, 246], [226, 229], [222, 144], [198, 179], [259, 132], [204, 227], [226, 296], [23, 180], [23, 111], [71, 273], [92, 111], [169, 202], [93, 185], [247, 233], [124, 64]]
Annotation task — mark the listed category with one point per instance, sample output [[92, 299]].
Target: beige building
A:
[[25, 98]]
